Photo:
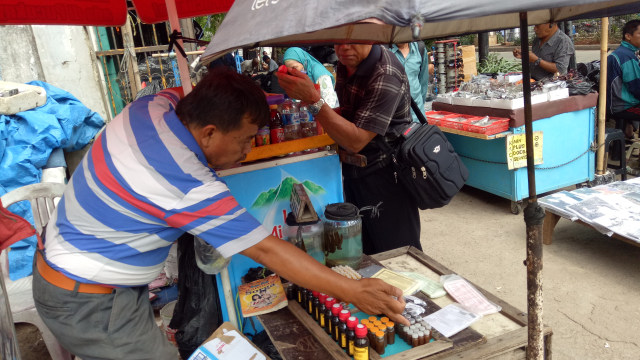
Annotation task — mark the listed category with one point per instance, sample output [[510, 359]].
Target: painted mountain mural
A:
[[283, 192]]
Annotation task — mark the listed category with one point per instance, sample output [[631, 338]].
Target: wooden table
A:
[[551, 220], [296, 335]]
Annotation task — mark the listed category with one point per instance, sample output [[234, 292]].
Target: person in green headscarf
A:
[[301, 60]]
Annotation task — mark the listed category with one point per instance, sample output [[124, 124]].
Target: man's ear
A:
[[207, 134]]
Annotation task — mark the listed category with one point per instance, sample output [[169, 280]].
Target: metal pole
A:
[[183, 67], [533, 214], [602, 100], [483, 46], [228, 296]]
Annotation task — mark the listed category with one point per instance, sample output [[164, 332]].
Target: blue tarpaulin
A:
[[27, 140]]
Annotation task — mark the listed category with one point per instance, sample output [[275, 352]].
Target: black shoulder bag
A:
[[426, 164]]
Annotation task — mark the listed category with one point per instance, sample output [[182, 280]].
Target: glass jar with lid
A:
[[342, 235]]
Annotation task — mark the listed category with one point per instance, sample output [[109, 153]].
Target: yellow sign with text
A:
[[517, 150]]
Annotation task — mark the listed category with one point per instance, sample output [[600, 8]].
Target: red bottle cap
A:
[[344, 315], [352, 321], [361, 331], [322, 297], [335, 309], [283, 69], [314, 293], [329, 302]]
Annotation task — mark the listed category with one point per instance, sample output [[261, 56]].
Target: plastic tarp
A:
[[27, 140], [386, 21]]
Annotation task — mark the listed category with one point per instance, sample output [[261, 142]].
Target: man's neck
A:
[[404, 49], [545, 39]]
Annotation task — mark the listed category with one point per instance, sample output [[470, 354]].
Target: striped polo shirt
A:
[[144, 183]]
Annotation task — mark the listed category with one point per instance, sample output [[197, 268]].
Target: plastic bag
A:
[[468, 296], [208, 258], [197, 313]]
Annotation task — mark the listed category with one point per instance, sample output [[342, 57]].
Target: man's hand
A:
[[517, 53], [298, 86], [374, 296]]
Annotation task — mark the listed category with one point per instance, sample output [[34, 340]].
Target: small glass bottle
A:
[[414, 340], [292, 291], [322, 298], [391, 333], [379, 342], [314, 305], [299, 294], [352, 321], [361, 344], [335, 321], [327, 314], [421, 340], [342, 328], [311, 296]]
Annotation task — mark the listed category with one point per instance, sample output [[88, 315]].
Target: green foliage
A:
[[210, 25], [468, 39], [495, 64]]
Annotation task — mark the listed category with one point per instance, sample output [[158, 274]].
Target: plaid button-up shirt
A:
[[376, 97]]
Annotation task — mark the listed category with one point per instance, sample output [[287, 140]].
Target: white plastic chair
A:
[[43, 198]]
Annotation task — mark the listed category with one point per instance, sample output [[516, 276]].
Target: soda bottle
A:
[[275, 126]]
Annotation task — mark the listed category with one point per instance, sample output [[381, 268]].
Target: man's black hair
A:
[[223, 98], [630, 27]]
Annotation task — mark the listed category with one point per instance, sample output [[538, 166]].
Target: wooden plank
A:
[[497, 346], [321, 336], [286, 147], [548, 226], [291, 338], [475, 135], [422, 351], [136, 50]]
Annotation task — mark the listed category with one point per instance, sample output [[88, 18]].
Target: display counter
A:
[[565, 133], [296, 336]]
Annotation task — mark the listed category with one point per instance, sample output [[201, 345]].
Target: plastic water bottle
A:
[[208, 259]]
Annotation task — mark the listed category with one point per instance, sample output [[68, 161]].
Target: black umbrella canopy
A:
[[251, 23]]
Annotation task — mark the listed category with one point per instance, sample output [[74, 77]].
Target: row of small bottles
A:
[[352, 335], [288, 121]]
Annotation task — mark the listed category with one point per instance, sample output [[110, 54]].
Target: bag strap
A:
[[419, 112]]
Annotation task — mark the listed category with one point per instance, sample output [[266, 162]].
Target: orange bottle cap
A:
[[379, 334], [390, 324], [384, 319]]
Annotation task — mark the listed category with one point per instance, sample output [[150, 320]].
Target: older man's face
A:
[[351, 55]]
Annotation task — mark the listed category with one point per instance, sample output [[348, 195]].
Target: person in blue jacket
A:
[[416, 65], [301, 60], [623, 80]]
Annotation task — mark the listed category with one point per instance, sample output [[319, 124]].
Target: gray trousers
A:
[[120, 325]]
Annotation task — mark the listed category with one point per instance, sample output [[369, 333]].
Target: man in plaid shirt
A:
[[373, 92]]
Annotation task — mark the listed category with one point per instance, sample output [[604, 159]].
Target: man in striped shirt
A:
[[147, 179]]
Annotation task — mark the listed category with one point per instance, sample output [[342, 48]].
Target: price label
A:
[[517, 150]]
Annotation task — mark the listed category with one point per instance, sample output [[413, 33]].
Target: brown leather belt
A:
[[58, 279]]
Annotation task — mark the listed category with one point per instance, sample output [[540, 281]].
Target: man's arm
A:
[[373, 296], [424, 73], [345, 133]]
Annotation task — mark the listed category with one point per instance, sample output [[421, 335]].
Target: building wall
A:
[[59, 55]]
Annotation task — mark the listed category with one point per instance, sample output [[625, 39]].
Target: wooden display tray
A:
[[286, 147], [297, 336], [475, 135]]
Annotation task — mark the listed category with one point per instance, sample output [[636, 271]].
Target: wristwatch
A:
[[537, 62], [314, 108]]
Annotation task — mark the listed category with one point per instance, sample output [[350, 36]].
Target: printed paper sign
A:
[[517, 150]]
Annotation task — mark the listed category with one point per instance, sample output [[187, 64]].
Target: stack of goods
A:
[[505, 92], [448, 65], [487, 125], [289, 120]]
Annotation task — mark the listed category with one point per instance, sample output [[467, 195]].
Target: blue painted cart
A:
[[568, 152]]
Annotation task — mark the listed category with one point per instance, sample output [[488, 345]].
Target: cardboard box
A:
[[228, 343]]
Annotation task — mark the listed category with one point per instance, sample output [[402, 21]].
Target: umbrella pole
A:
[[174, 21], [602, 99], [533, 213]]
